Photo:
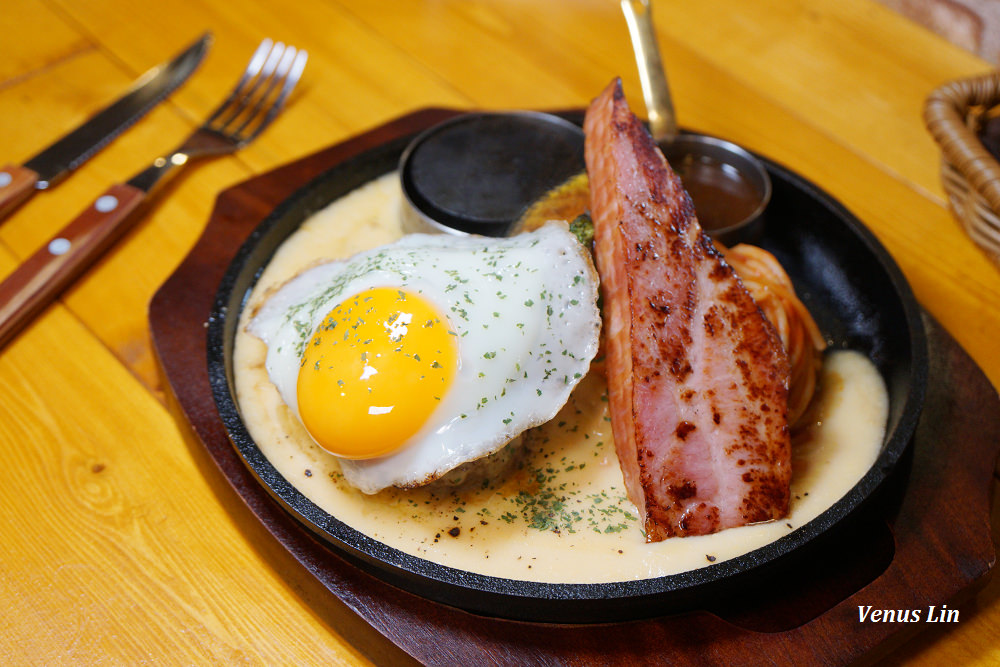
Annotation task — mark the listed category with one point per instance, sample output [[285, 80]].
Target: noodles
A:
[[772, 289]]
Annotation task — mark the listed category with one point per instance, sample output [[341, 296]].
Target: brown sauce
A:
[[722, 195]]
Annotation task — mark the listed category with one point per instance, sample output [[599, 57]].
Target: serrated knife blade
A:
[[51, 165]]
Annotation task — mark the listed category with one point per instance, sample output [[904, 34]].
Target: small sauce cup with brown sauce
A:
[[730, 188]]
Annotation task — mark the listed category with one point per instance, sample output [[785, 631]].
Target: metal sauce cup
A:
[[478, 172], [730, 187]]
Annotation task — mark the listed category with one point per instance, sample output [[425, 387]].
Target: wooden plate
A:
[[183, 307]]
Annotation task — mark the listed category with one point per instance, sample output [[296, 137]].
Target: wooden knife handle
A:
[[16, 185], [43, 276]]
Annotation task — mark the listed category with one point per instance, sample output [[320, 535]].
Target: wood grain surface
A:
[[122, 542]]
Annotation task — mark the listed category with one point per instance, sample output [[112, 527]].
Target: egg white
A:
[[524, 310]]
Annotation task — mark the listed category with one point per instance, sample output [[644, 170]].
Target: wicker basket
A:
[[954, 114]]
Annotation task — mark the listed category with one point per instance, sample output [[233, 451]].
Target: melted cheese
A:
[[558, 512]]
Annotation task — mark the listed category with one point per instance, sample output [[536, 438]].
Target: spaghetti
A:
[[774, 293]]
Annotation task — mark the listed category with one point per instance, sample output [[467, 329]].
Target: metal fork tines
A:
[[254, 102]]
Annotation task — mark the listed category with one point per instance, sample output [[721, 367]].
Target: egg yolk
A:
[[376, 368]]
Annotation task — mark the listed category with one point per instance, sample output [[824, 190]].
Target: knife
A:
[[48, 168]]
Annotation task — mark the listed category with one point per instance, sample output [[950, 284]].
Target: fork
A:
[[254, 102]]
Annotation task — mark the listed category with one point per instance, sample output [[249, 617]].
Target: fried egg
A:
[[411, 359]]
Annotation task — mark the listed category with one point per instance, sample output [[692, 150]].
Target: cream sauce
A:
[[559, 514]]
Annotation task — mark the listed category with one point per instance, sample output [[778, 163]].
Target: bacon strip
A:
[[697, 377]]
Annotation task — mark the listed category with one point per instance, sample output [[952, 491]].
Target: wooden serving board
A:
[[925, 541]]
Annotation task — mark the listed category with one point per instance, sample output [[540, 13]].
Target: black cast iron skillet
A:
[[846, 278]]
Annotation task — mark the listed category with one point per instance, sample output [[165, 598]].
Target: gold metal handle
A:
[[652, 77]]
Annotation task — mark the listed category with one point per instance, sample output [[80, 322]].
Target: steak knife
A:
[[49, 167]]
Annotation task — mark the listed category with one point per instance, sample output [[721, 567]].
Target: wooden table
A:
[[121, 541]]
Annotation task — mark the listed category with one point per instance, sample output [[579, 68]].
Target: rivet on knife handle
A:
[[17, 183], [43, 276]]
